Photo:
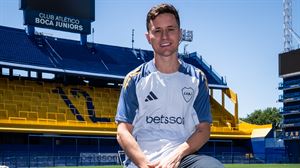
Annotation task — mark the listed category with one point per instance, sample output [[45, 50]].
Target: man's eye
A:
[[171, 29], [157, 31]]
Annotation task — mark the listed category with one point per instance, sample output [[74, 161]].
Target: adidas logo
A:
[[151, 97]]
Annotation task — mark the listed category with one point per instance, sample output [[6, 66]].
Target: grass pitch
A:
[[226, 166], [262, 165]]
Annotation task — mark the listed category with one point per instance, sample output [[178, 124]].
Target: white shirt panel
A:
[[162, 124]]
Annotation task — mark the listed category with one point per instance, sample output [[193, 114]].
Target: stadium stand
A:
[[33, 103], [68, 118]]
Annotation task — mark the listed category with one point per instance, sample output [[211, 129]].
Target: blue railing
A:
[[289, 97], [289, 84], [289, 109], [292, 120]]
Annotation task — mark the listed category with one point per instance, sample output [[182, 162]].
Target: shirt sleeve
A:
[[202, 103], [128, 103]]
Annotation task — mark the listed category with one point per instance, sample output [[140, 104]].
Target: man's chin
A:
[[167, 53]]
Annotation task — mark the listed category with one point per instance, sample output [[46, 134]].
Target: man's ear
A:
[[148, 37]]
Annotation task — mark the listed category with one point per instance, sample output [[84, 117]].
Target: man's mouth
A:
[[165, 44]]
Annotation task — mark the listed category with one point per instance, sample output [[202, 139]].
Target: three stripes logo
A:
[[151, 96]]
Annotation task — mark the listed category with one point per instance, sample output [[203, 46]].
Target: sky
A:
[[241, 39]]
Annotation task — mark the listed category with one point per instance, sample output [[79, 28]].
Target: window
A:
[[18, 72], [48, 75], [5, 71], [33, 74]]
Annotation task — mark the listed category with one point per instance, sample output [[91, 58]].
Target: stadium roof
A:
[[56, 55]]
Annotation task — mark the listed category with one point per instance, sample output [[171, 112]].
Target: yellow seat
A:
[[3, 114]]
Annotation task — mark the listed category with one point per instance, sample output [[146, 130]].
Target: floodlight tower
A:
[[287, 24], [186, 35], [288, 33]]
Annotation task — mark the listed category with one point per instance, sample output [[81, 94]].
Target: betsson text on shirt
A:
[[164, 120]]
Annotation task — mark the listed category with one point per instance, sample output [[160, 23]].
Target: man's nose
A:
[[165, 34]]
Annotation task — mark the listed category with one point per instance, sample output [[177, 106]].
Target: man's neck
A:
[[166, 64]]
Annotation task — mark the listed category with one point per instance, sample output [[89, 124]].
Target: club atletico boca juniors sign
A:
[[57, 22], [66, 15]]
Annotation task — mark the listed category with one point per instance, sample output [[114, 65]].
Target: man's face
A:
[[164, 35]]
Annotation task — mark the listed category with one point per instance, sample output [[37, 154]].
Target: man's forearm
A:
[[195, 141], [130, 146], [199, 137]]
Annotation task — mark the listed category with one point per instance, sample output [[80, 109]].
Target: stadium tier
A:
[[60, 96], [43, 107]]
